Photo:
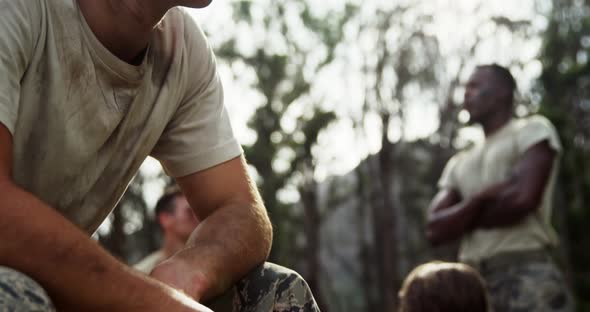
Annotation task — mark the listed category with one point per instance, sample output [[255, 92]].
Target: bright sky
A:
[[340, 149]]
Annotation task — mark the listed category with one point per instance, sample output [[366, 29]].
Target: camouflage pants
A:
[[268, 288], [529, 285], [19, 293]]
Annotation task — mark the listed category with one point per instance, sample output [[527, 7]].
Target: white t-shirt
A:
[[83, 120], [147, 264], [491, 162]]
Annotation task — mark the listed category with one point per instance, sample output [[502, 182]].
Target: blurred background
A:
[[348, 111]]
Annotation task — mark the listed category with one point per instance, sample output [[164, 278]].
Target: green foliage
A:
[[565, 85], [281, 80]]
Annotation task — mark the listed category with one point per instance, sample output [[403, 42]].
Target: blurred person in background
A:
[[496, 197], [177, 221], [443, 287]]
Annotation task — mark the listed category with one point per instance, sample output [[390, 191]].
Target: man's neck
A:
[[495, 123], [124, 27]]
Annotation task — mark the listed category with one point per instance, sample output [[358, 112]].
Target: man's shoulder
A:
[[465, 151], [533, 121], [179, 21], [534, 129], [179, 32]]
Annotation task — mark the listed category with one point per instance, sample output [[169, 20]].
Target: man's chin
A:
[[201, 4]]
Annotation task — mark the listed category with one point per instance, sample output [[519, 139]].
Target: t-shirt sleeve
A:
[[199, 135], [19, 31], [535, 130], [447, 179]]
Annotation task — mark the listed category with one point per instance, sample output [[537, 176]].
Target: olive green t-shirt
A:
[[490, 162], [83, 121]]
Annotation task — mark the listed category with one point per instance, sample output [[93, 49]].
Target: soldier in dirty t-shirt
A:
[[89, 89]]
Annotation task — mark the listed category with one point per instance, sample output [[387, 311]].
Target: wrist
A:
[[161, 297], [183, 275]]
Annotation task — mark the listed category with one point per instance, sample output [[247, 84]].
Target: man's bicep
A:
[[5, 154], [225, 184], [534, 169]]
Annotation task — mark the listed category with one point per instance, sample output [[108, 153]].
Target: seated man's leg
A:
[[19, 292], [268, 288]]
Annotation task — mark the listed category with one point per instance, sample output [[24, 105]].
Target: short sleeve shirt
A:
[[83, 121], [147, 264], [491, 162]]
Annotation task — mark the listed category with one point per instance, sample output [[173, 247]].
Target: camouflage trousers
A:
[[268, 288], [526, 281], [19, 293]]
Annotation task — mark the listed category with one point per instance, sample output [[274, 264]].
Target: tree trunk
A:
[[386, 228], [367, 279], [312, 222], [384, 238]]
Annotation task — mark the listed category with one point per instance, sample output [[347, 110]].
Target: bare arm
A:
[[76, 272], [233, 237], [500, 205], [449, 217], [521, 195]]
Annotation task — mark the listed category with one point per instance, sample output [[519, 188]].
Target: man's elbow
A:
[[265, 233], [267, 238]]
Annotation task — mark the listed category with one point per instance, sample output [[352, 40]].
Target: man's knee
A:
[[279, 288], [19, 292]]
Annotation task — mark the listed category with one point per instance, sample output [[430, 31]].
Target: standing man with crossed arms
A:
[[496, 197], [89, 89]]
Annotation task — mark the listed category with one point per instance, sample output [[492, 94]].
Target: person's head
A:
[[489, 91], [174, 215], [443, 287]]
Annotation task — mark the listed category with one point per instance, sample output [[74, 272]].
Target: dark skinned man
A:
[[496, 198]]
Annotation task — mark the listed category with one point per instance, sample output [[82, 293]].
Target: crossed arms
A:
[[500, 205]]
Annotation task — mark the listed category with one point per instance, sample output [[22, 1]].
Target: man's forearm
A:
[[231, 242], [507, 209], [224, 248], [76, 272], [452, 223]]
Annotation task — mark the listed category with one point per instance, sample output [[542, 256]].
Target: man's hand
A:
[[178, 273], [450, 217]]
